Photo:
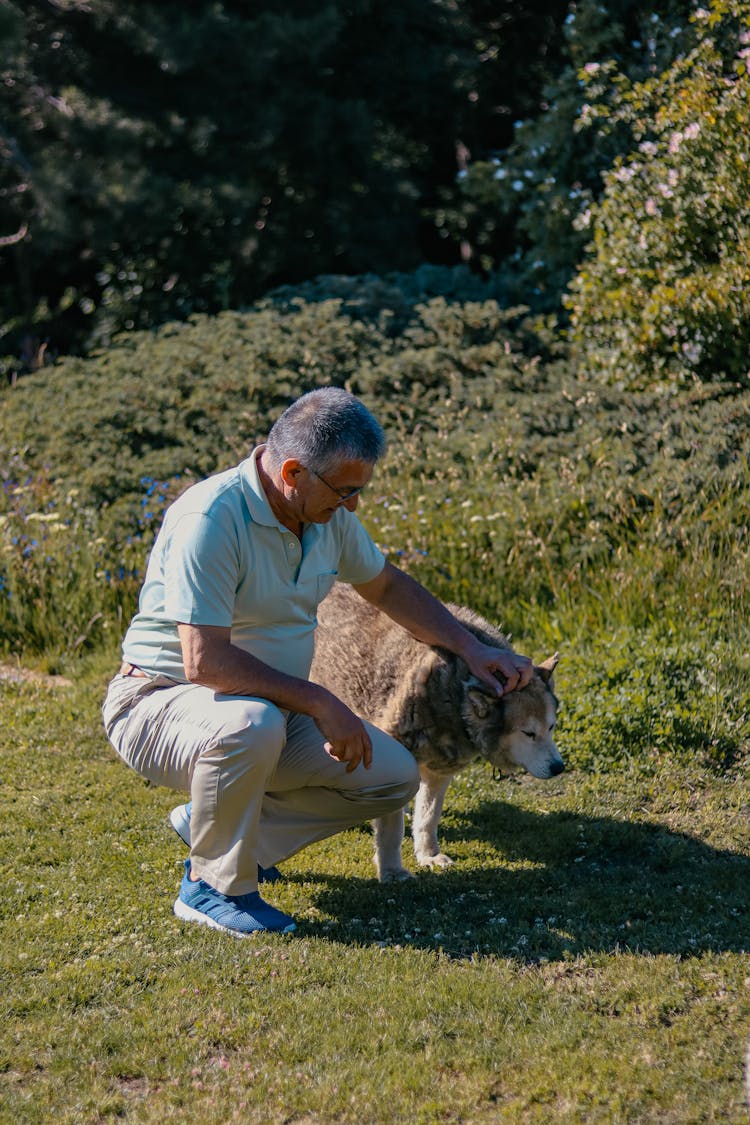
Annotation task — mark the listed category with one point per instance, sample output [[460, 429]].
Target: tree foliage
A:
[[160, 159], [663, 292], [516, 203]]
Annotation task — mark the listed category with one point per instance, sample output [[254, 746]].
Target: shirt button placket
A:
[[292, 550]]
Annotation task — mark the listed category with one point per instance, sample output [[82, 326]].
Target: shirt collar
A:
[[257, 501], [253, 492]]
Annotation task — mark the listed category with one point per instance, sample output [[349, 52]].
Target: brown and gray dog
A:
[[427, 699]]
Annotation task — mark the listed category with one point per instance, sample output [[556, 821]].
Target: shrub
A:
[[657, 691], [581, 517], [193, 397]]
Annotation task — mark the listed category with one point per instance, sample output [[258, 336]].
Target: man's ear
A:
[[290, 471], [547, 667]]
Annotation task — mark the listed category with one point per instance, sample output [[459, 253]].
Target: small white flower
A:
[[692, 352]]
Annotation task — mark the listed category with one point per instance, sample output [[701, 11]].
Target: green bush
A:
[[662, 690], [663, 291], [580, 517], [193, 397]]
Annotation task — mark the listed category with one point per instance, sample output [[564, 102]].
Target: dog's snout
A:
[[556, 768]]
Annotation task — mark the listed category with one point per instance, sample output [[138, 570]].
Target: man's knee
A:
[[401, 786], [411, 778], [253, 727], [399, 777]]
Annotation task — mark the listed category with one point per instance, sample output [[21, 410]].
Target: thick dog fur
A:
[[427, 699]]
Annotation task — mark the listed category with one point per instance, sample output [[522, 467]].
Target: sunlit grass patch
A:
[[584, 958]]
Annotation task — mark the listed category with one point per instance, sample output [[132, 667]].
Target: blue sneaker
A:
[[179, 818], [240, 915]]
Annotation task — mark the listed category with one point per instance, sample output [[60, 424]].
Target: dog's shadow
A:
[[554, 885]]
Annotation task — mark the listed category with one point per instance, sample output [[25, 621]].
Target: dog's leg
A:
[[428, 805], [389, 835]]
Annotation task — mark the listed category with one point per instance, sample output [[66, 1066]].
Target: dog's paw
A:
[[438, 860], [395, 875]]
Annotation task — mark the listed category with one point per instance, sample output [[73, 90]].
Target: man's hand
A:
[[345, 734], [212, 660], [427, 619], [486, 663]]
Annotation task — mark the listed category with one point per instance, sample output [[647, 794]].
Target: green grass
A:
[[583, 961]]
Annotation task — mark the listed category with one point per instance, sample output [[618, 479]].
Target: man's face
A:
[[317, 499]]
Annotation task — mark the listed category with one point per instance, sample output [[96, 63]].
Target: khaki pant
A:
[[261, 784]]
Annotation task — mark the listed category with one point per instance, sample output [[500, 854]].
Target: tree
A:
[[516, 206], [163, 158], [159, 159], [664, 291]]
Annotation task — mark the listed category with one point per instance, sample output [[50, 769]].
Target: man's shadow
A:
[[554, 885]]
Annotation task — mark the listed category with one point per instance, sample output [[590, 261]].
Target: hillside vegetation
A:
[[585, 959], [609, 523]]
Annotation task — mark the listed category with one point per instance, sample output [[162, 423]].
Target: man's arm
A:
[[212, 660], [427, 619]]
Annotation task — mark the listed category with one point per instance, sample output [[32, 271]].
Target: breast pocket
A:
[[325, 583]]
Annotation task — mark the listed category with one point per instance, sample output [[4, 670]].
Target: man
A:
[[213, 695]]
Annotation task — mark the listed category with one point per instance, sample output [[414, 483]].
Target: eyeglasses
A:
[[342, 494]]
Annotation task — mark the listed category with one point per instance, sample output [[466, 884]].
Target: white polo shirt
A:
[[222, 558]]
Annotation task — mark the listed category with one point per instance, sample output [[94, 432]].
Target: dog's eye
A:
[[529, 733]]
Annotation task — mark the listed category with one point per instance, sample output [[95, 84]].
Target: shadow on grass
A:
[[562, 884]]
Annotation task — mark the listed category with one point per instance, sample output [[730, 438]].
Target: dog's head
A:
[[515, 731]]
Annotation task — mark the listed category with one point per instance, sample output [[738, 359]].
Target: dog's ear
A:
[[547, 667], [481, 698]]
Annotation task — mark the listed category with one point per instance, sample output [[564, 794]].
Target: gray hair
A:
[[324, 427]]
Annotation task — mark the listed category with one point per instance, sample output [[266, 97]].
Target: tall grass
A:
[[61, 591], [649, 610]]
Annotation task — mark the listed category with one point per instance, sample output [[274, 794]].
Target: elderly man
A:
[[213, 695]]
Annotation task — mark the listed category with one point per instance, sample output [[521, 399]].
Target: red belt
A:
[[132, 670]]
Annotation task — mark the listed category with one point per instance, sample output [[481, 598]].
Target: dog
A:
[[427, 699]]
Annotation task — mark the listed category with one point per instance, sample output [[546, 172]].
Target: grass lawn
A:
[[583, 961]]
